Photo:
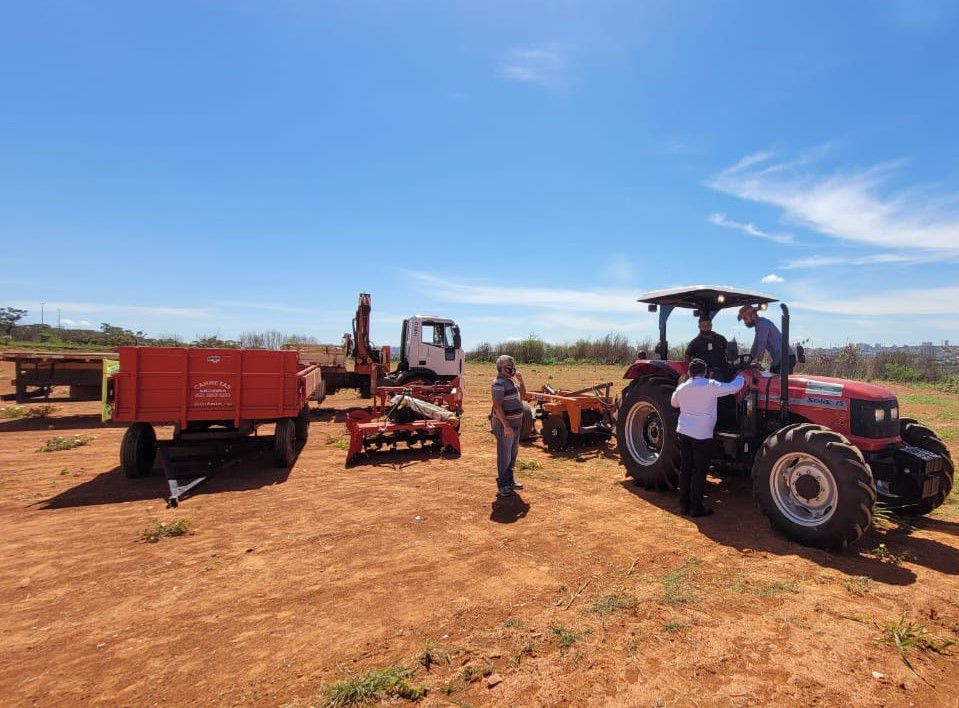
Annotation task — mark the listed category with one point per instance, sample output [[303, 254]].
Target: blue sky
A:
[[197, 167]]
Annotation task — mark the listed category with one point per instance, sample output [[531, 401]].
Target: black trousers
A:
[[792, 365], [692, 471]]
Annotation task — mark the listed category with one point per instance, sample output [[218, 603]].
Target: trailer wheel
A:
[[283, 441], [138, 450], [916, 434], [555, 433], [646, 433], [814, 486], [302, 424], [527, 430]]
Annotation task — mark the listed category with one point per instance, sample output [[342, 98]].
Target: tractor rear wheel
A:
[[283, 442], [302, 424], [527, 430], [555, 433], [138, 450], [646, 433], [814, 486], [916, 434]]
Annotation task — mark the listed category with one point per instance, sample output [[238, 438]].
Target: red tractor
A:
[[820, 450]]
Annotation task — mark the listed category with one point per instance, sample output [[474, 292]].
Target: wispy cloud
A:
[[913, 301], [773, 278], [534, 65], [565, 299], [720, 219], [76, 324], [872, 259], [98, 307], [850, 206]]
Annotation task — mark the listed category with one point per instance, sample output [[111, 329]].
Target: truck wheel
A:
[[555, 433], [138, 450], [646, 433], [527, 430], [918, 435], [302, 424], [283, 440], [814, 486]]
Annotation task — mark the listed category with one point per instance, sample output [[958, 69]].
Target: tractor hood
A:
[[829, 386]]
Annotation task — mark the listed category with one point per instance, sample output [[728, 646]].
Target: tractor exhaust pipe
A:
[[784, 368]]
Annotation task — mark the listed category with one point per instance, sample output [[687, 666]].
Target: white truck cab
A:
[[431, 350]]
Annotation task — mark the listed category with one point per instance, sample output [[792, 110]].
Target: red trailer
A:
[[214, 398]]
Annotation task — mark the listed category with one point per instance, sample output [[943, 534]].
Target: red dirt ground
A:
[[293, 579]]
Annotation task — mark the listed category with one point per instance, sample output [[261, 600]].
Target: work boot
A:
[[684, 509], [702, 511], [516, 486], [505, 492]]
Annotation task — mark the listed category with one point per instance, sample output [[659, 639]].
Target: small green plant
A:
[[61, 442], [525, 650], [15, 412], [882, 513], [883, 553], [337, 441], [528, 465], [160, 529], [373, 685], [677, 586], [472, 673], [566, 637], [674, 626], [433, 653], [614, 602], [511, 623], [910, 637], [777, 587]]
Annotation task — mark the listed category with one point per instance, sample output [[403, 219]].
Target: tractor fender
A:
[[642, 368]]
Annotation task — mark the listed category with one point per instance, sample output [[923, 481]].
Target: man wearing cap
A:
[[768, 339], [710, 347], [695, 397]]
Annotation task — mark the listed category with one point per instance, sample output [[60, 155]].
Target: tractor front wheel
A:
[[646, 433], [814, 486], [916, 434]]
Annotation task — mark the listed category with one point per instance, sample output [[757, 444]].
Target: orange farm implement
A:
[[574, 416], [418, 415]]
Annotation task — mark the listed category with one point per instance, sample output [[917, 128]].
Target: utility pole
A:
[[59, 326], [41, 312]]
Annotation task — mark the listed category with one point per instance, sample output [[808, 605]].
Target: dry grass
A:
[[160, 529], [64, 442], [373, 686]]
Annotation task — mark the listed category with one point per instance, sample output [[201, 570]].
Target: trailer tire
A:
[[302, 424], [527, 429], [916, 434], [283, 442], [138, 450], [555, 433], [806, 459], [646, 433]]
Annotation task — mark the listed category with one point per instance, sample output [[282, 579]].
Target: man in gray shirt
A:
[[507, 392], [768, 339]]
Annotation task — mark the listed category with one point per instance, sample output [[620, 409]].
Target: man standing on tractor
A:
[[695, 397], [507, 420], [709, 346], [768, 339]]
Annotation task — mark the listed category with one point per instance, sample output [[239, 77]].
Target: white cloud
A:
[[565, 299], [872, 259], [535, 65], [773, 278], [619, 268], [749, 229], [847, 206], [913, 301], [76, 324]]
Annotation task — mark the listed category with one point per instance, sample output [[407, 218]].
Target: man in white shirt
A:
[[695, 398]]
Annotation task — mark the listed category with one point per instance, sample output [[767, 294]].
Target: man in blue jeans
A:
[[507, 392], [695, 397]]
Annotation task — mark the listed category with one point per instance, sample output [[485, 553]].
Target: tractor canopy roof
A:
[[706, 298]]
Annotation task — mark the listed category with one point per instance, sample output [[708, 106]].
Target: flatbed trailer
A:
[[215, 399], [37, 373]]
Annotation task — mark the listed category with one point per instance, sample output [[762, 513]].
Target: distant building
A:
[[928, 350]]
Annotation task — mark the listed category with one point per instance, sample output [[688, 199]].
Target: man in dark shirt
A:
[[710, 347]]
